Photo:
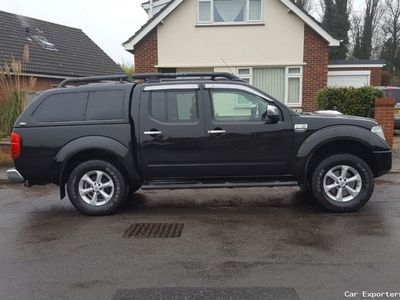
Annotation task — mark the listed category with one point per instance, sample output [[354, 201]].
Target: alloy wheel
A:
[[342, 183], [96, 188]]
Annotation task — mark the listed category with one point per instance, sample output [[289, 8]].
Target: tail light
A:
[[15, 145]]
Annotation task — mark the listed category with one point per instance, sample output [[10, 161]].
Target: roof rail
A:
[[158, 76], [149, 77], [93, 79]]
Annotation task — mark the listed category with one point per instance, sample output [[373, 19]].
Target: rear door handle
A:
[[216, 131]]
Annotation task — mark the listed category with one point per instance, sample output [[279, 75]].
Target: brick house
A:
[[272, 44], [55, 51]]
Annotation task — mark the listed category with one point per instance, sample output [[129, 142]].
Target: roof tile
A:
[[76, 55]]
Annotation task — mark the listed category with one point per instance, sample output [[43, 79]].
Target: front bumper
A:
[[14, 176], [382, 162]]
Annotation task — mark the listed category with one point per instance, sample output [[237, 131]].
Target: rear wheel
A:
[[342, 183], [96, 187]]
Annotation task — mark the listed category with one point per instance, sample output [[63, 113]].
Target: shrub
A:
[[10, 109], [349, 101], [13, 88], [128, 69]]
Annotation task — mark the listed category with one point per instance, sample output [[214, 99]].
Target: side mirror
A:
[[272, 115]]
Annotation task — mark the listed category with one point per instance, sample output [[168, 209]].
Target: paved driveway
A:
[[271, 242]]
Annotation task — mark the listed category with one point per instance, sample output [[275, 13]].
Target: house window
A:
[[246, 75], [293, 85], [283, 83], [229, 11]]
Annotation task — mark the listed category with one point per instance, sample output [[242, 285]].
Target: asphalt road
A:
[[264, 243]]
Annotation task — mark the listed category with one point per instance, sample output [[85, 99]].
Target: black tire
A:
[[359, 165], [112, 174]]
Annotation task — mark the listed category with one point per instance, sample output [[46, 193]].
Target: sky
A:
[[107, 22]]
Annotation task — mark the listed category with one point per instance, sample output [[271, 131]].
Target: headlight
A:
[[379, 132]]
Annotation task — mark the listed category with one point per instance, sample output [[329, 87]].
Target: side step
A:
[[201, 185]]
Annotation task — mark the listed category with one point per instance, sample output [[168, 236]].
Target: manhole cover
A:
[[154, 230]]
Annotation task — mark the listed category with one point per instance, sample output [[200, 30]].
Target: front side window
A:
[[225, 106], [174, 106], [229, 11]]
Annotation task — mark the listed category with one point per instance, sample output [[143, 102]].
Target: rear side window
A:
[[174, 106], [105, 105], [62, 108]]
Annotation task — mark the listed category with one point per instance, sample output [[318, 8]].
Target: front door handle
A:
[[152, 133], [216, 131]]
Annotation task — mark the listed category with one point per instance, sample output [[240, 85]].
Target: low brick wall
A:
[[5, 153], [384, 114]]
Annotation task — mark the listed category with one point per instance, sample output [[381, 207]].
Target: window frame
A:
[[298, 75], [288, 75], [247, 15], [248, 76]]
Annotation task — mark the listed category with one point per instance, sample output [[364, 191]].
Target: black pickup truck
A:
[[106, 137]]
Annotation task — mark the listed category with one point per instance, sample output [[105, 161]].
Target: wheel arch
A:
[[334, 140], [94, 147]]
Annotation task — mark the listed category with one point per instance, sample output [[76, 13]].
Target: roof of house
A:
[[54, 50], [171, 6], [357, 62]]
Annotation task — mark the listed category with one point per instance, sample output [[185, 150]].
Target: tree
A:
[[336, 21], [356, 31], [306, 5], [391, 27], [371, 17]]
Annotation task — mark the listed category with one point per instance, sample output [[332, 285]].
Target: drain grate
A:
[[154, 230]]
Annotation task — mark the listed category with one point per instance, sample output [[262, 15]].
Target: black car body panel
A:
[[188, 151]]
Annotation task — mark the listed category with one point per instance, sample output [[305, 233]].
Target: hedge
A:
[[349, 101]]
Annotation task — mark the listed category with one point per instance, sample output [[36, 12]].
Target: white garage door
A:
[[349, 78]]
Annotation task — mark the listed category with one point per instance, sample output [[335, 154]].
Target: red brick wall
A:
[[315, 71], [40, 84], [376, 73], [376, 76], [146, 54], [45, 83], [384, 114], [5, 153]]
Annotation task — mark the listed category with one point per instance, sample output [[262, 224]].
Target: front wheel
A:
[[342, 183], [96, 187]]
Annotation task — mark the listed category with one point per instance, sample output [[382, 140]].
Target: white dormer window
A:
[[229, 11]]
